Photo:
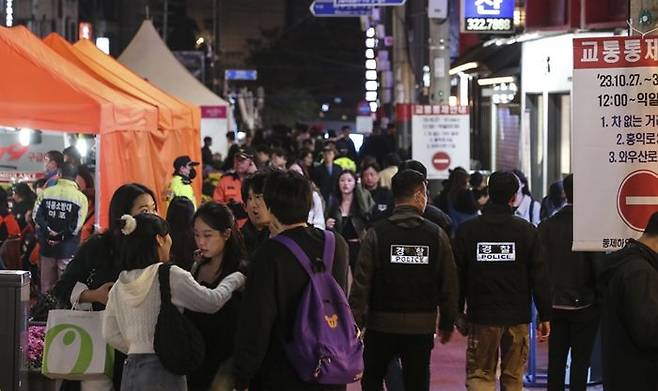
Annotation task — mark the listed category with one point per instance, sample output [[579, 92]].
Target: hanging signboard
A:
[[615, 122], [487, 16], [441, 138]]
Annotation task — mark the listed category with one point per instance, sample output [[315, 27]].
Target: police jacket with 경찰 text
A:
[[500, 270], [404, 271], [60, 211]]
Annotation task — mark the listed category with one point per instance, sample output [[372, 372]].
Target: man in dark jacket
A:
[[500, 273], [382, 196], [628, 282], [575, 317], [276, 283], [404, 271], [326, 174], [256, 230]]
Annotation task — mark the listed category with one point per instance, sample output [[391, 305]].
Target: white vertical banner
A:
[[615, 135], [441, 138]]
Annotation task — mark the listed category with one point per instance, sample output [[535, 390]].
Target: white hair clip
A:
[[129, 224]]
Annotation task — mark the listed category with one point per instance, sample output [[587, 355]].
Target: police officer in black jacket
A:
[[575, 317], [404, 271], [500, 274]]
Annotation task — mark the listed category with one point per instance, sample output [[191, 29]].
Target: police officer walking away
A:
[[500, 273], [404, 271], [575, 319]]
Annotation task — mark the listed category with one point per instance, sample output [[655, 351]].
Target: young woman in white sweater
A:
[[134, 301]]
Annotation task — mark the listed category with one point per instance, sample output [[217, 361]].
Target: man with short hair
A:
[[53, 161], [276, 283], [383, 197], [59, 214], [256, 230], [432, 213], [500, 275], [575, 318], [628, 283], [229, 187], [326, 174], [404, 271]]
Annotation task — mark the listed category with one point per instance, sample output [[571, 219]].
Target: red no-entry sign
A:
[[441, 161], [637, 198]]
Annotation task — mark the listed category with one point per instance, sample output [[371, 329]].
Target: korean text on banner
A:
[[615, 122], [441, 138]]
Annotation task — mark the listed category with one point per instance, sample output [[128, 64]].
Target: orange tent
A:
[[178, 122], [41, 90]]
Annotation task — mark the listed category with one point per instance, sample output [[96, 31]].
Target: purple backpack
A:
[[325, 347]]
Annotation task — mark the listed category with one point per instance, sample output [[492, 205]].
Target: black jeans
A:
[[414, 351], [575, 330]]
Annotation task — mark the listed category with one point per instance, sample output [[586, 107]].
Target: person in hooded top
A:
[[133, 303]]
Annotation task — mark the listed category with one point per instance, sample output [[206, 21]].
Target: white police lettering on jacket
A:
[[410, 254], [496, 252]]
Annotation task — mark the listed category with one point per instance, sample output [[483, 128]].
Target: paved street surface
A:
[[448, 366]]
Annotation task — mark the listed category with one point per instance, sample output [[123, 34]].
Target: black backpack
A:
[[178, 343]]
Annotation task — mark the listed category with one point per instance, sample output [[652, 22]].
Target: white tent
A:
[[148, 56]]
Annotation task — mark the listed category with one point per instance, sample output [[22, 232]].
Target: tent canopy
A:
[[178, 122], [41, 90], [148, 56]]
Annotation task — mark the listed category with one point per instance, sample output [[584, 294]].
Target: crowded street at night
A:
[[328, 195]]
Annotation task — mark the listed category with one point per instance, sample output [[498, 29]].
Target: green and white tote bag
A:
[[74, 347]]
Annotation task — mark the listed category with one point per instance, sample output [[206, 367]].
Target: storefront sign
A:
[[441, 138], [491, 16], [615, 122]]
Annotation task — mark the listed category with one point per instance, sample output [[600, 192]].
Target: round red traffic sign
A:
[[441, 161], [637, 198]]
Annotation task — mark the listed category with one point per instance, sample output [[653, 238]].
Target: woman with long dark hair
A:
[[220, 253], [179, 217], [134, 302], [90, 274], [348, 213]]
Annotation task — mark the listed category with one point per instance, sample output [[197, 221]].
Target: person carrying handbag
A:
[[142, 313]]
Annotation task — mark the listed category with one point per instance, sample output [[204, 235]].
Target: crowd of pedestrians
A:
[[302, 217]]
